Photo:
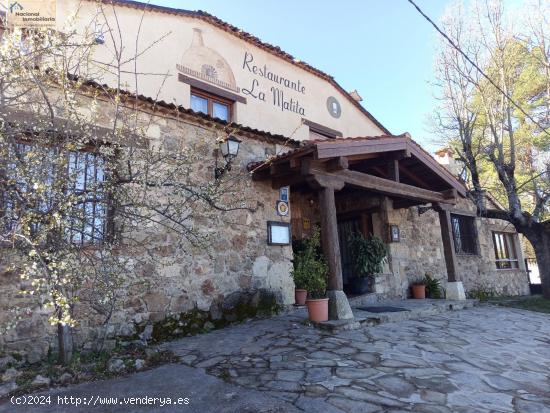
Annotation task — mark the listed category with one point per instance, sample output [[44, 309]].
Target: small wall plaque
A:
[[284, 193], [278, 233], [282, 208], [394, 233]]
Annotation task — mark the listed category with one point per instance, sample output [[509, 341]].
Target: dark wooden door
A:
[[346, 227]]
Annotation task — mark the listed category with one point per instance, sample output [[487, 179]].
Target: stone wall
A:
[[421, 251], [236, 276]]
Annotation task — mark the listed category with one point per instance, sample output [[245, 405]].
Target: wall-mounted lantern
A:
[[229, 148]]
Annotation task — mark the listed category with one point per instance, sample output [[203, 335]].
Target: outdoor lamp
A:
[[229, 149]]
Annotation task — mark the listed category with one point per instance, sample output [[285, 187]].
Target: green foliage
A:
[[532, 303], [369, 254], [310, 269], [433, 286], [481, 293]]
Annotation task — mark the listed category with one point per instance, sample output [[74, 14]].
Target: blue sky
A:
[[382, 48]]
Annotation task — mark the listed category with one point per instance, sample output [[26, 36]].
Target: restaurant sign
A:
[[277, 92], [266, 84], [31, 13]]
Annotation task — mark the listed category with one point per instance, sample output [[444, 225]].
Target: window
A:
[[89, 216], [84, 177], [317, 131], [316, 135], [464, 234], [505, 250], [212, 105]]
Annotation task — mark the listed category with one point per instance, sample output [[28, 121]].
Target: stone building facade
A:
[[420, 249], [242, 274], [187, 290]]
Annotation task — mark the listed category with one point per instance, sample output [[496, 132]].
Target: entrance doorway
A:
[[347, 227], [349, 224]]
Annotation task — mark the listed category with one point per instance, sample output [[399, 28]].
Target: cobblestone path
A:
[[486, 359]]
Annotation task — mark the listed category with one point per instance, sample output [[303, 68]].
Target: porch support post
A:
[[455, 289], [339, 308], [329, 231]]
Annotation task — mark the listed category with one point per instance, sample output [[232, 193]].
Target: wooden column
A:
[[393, 170], [329, 237], [448, 245], [338, 305]]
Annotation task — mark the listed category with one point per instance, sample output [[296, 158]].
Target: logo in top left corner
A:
[[31, 13], [15, 6]]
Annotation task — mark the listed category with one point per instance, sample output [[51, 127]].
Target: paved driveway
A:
[[484, 359]]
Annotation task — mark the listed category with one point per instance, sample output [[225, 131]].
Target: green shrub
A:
[[481, 293], [369, 254], [433, 286], [310, 269]]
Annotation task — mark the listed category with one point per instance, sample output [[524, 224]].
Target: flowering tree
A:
[[82, 184]]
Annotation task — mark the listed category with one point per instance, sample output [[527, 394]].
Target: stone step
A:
[[416, 309]]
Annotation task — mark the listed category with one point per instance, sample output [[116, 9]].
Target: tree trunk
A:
[[538, 235], [542, 252], [540, 240], [65, 340]]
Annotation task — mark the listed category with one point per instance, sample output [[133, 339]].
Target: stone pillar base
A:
[[455, 291], [338, 306]]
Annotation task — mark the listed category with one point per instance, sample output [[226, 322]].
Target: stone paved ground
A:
[[485, 359]]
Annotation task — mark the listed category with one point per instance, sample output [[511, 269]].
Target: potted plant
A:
[[419, 289], [300, 279], [310, 274], [317, 303], [433, 286], [369, 256]]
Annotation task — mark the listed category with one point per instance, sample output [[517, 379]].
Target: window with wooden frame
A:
[[84, 178], [90, 214], [317, 135], [318, 131], [505, 250], [210, 104], [464, 234]]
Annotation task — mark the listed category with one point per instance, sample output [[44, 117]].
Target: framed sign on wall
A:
[[278, 233], [394, 233], [284, 193]]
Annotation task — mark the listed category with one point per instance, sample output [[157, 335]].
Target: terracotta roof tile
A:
[[156, 104], [308, 145], [360, 138], [276, 50]]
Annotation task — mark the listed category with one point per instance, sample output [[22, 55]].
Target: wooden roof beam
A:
[[333, 148], [392, 188], [380, 185]]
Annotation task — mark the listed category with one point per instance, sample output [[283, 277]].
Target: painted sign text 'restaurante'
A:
[[277, 94]]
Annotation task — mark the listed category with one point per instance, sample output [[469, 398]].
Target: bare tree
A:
[[84, 189], [499, 126]]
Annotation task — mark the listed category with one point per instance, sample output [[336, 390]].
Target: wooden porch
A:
[[394, 167]]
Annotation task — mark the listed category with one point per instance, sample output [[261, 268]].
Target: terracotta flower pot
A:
[[300, 296], [419, 291], [318, 309]]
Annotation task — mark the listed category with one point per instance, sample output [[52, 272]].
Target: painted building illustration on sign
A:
[[207, 64]]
